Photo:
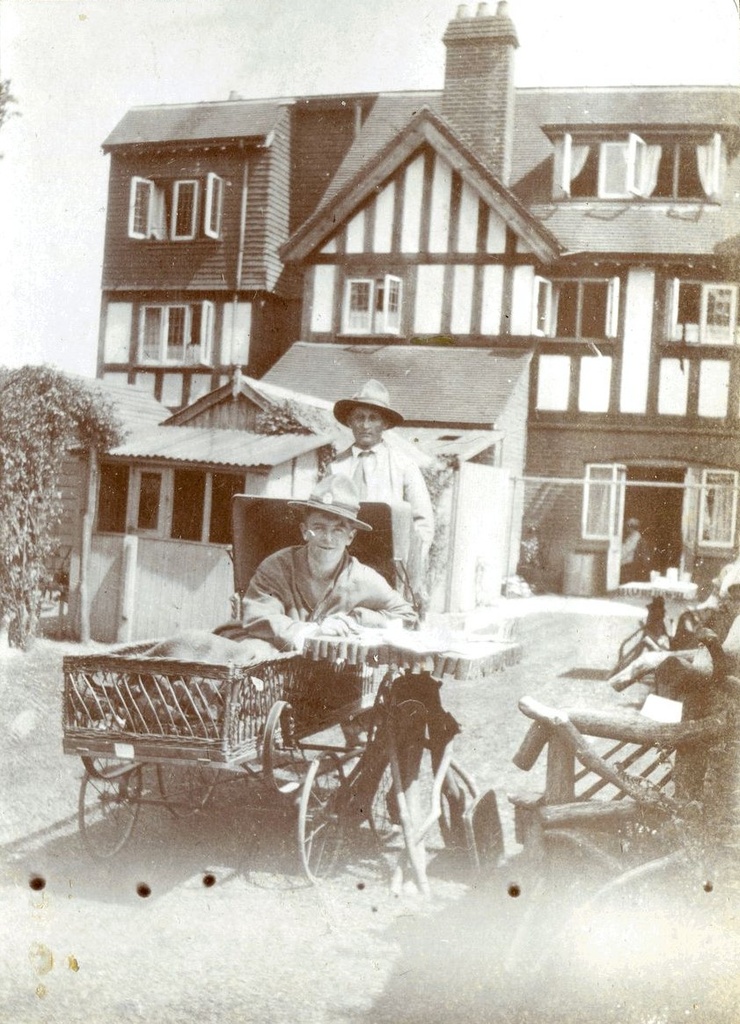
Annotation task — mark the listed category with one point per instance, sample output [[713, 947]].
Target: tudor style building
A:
[[592, 231]]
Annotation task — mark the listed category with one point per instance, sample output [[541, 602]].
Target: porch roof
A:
[[210, 446]]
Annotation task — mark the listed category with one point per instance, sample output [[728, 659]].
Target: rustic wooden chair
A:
[[617, 784]]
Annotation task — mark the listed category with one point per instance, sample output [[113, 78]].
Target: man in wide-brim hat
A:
[[318, 586], [300, 591], [382, 473]]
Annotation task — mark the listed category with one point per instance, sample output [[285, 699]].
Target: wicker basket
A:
[[163, 709]]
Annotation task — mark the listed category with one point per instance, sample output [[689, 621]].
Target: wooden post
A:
[[86, 546], [128, 587]]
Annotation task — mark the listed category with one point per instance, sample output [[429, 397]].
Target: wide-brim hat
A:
[[338, 496], [372, 395]]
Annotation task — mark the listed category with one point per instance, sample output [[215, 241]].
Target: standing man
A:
[[382, 473]]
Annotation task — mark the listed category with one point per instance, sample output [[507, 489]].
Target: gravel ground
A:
[[260, 945]]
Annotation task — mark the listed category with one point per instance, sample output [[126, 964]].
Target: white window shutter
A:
[[612, 308], [214, 202], [635, 155], [562, 167], [206, 331], [392, 311], [541, 298], [672, 328], [140, 207]]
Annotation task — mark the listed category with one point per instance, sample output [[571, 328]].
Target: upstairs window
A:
[[632, 166], [184, 210], [174, 210], [176, 334], [576, 309], [703, 314], [372, 305]]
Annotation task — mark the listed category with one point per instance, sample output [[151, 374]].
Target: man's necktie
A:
[[360, 475]]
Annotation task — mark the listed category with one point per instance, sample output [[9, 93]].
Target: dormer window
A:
[[637, 166]]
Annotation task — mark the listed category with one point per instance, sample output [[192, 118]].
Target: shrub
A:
[[43, 413]]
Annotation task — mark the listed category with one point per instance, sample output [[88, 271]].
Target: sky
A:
[[75, 68]]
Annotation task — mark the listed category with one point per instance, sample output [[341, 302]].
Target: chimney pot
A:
[[502, 9], [482, 11], [462, 11]]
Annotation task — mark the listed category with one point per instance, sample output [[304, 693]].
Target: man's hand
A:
[[340, 624]]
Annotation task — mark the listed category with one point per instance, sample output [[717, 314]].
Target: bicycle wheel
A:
[[186, 789], [107, 810], [283, 761], [320, 819]]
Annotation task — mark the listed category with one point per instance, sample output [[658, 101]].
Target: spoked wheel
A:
[[458, 793], [320, 818], [186, 789], [108, 808], [283, 762], [102, 767]]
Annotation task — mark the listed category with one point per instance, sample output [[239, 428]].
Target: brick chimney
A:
[[478, 98]]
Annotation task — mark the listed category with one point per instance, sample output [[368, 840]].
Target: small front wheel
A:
[[320, 818], [107, 810], [283, 761]]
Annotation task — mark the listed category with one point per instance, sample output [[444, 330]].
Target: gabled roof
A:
[[312, 413], [467, 387], [210, 446], [189, 122], [425, 127]]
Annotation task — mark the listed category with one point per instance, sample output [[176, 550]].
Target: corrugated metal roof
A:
[[229, 119], [465, 444], [431, 385], [214, 447]]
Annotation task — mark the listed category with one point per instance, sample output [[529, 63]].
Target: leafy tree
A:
[[6, 101], [43, 413]]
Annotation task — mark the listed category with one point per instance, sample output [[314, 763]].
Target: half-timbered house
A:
[[591, 233]]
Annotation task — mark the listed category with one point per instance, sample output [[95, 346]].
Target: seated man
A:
[[314, 587]]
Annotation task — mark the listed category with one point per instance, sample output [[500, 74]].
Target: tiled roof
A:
[[213, 447], [134, 406], [390, 114], [639, 227], [431, 385], [679, 105], [230, 119]]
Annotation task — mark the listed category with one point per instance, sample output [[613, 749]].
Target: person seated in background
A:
[[635, 555], [313, 587]]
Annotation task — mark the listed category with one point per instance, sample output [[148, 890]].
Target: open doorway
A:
[[659, 510]]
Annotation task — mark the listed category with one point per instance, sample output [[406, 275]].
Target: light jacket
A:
[[404, 483], [275, 607]]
